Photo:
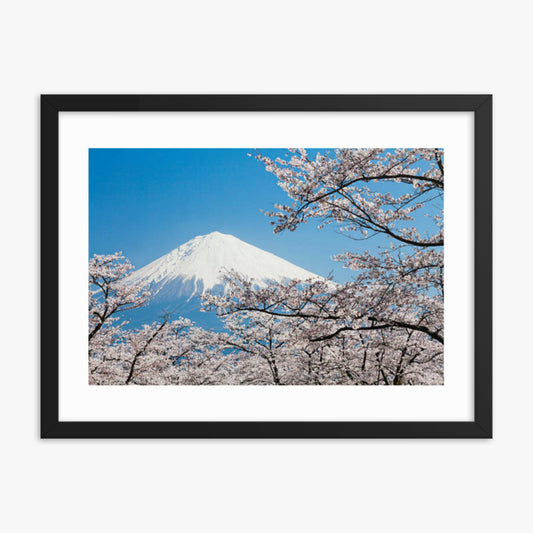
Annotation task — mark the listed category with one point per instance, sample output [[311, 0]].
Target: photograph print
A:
[[315, 266]]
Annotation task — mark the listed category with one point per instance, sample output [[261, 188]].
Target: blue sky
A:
[[146, 202]]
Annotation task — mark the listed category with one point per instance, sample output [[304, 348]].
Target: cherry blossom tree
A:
[[108, 294], [385, 326], [162, 353]]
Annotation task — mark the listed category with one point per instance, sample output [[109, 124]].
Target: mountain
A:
[[178, 279]]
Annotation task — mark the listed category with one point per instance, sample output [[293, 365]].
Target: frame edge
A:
[[483, 154], [49, 265]]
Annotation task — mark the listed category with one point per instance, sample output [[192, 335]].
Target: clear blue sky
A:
[[146, 202]]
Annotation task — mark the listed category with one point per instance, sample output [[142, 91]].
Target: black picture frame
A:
[[480, 105]]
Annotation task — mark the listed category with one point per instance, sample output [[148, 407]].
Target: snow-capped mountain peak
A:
[[200, 264]]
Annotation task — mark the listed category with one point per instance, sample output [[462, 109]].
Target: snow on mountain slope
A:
[[200, 264]]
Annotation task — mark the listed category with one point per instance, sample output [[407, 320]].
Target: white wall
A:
[[264, 47]]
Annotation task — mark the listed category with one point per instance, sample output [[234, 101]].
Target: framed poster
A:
[[204, 278]]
